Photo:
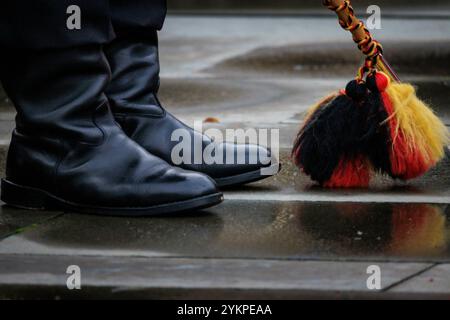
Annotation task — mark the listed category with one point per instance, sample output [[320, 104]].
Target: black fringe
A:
[[332, 133]]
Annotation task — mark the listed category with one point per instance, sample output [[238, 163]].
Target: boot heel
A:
[[22, 197]]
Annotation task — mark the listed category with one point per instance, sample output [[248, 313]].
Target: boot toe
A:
[[247, 158], [197, 184], [249, 164], [177, 184]]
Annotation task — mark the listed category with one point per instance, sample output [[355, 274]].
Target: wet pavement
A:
[[179, 278], [283, 237], [251, 229]]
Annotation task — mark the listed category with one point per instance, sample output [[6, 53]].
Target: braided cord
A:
[[370, 47]]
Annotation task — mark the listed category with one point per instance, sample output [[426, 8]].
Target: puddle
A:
[[339, 59], [247, 229]]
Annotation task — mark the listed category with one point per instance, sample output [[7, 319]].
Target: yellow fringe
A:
[[421, 127]]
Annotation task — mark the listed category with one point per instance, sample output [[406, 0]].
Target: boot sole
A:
[[244, 178], [35, 199]]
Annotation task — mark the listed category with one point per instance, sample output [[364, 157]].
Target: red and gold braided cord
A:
[[370, 47]]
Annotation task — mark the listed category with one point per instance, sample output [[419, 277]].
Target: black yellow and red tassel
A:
[[376, 124], [372, 126]]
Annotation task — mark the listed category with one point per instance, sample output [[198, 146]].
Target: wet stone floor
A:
[[283, 237], [247, 229]]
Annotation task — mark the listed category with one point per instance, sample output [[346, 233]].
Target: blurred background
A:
[[237, 6]]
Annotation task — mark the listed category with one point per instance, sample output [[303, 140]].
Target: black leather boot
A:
[[133, 96], [67, 152]]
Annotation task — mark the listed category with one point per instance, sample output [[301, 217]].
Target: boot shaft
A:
[[134, 62], [56, 92], [58, 95]]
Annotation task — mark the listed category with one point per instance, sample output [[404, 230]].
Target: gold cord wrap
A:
[[370, 47]]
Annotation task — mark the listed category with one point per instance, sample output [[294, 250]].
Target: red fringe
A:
[[350, 173], [406, 162]]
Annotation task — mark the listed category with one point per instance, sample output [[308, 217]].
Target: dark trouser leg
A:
[[42, 24], [137, 16], [135, 23]]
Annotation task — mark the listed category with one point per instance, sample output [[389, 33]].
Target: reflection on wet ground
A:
[[248, 229]]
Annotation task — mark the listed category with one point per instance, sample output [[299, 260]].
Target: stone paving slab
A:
[[251, 229], [35, 276], [435, 281], [18, 220]]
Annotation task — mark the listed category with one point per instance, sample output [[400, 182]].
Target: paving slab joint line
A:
[[418, 273], [199, 258], [30, 226]]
